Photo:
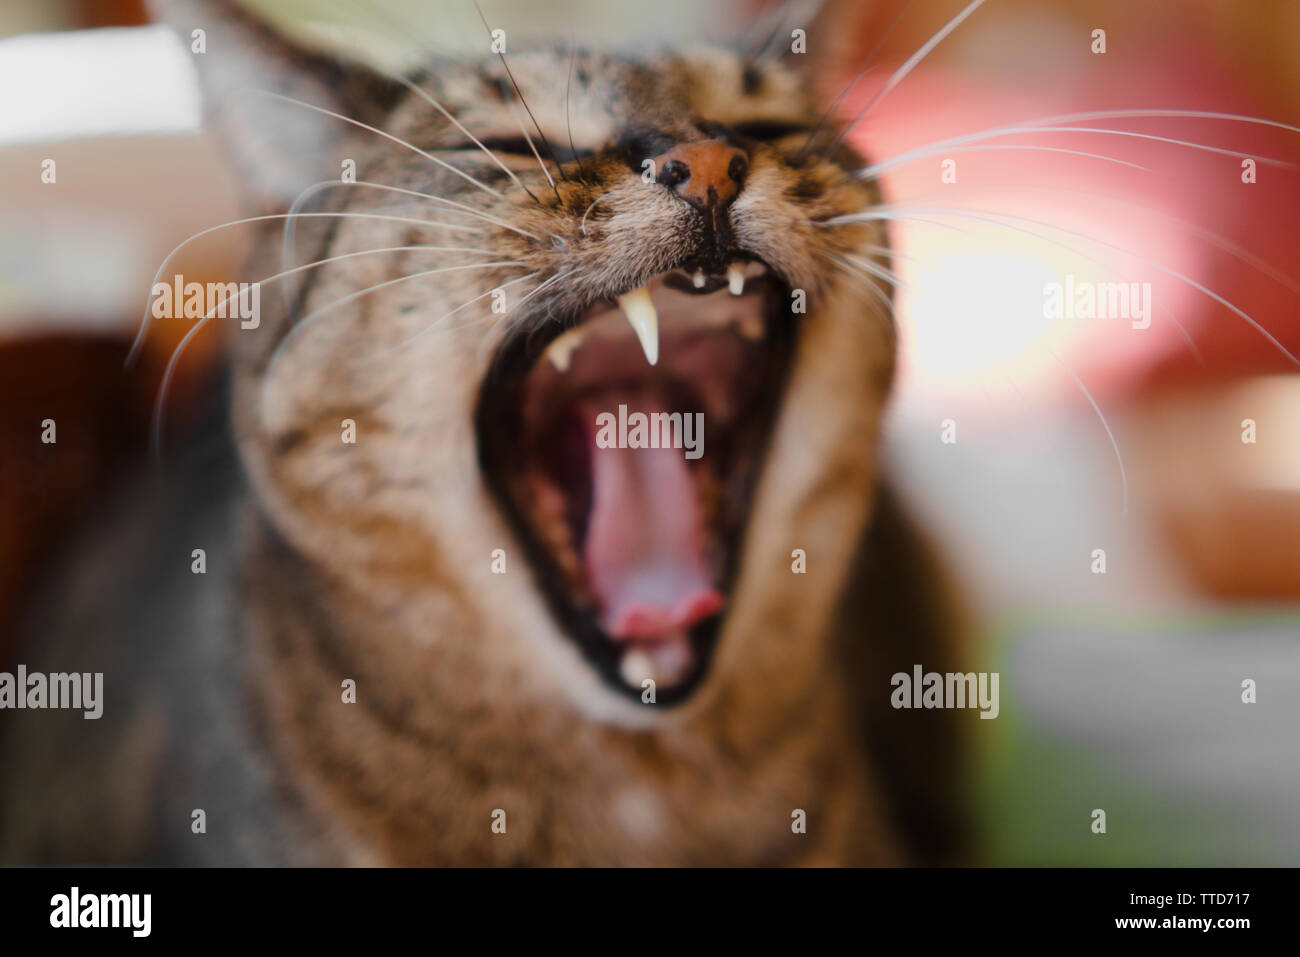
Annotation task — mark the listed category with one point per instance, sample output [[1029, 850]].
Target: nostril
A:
[[737, 169], [674, 172]]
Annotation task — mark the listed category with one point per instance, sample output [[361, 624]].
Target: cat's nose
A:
[[707, 174]]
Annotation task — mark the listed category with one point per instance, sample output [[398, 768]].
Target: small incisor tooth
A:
[[640, 312], [736, 279], [698, 279], [560, 352]]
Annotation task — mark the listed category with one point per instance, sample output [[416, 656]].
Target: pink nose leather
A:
[[707, 173]]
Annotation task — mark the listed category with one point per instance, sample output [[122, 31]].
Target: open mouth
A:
[[624, 444]]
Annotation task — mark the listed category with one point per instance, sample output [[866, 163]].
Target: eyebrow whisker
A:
[[568, 115], [519, 93], [418, 91], [389, 136]]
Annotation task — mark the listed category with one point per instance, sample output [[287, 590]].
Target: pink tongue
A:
[[643, 549]]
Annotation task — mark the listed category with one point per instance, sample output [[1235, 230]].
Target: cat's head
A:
[[427, 416]]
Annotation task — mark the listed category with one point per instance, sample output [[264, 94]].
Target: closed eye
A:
[[518, 146], [769, 129]]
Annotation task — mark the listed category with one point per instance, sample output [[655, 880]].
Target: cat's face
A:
[[673, 262]]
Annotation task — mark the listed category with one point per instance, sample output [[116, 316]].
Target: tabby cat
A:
[[440, 621]]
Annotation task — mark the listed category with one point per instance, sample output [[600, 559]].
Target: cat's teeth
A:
[[636, 666], [640, 311], [561, 350], [698, 279], [736, 279]]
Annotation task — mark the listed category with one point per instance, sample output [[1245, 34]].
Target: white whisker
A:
[[448, 315], [877, 270], [172, 363], [583, 222], [452, 205], [915, 155], [540, 287], [538, 156], [866, 68], [351, 297], [974, 215], [519, 94], [895, 254], [941, 146], [169, 372], [855, 271], [1123, 475], [474, 139], [1162, 114], [1071, 247], [911, 63], [290, 226], [144, 321], [1209, 235], [568, 114], [386, 135]]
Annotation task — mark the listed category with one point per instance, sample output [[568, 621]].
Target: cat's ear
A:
[[280, 147]]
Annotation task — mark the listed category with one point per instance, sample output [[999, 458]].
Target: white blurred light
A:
[[59, 86], [973, 309]]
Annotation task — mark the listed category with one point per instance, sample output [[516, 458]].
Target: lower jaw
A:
[[608, 658]]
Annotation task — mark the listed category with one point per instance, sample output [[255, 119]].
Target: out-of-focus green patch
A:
[[1035, 793]]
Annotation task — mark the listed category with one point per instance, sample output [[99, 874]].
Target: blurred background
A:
[[1121, 689]]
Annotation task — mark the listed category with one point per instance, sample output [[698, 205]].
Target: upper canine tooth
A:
[[736, 278], [698, 279], [640, 312]]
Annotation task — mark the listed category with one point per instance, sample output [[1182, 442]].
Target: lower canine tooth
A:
[[560, 352], [736, 278], [640, 312], [698, 279], [636, 666]]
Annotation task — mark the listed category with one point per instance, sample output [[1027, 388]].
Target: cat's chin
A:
[[624, 443]]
